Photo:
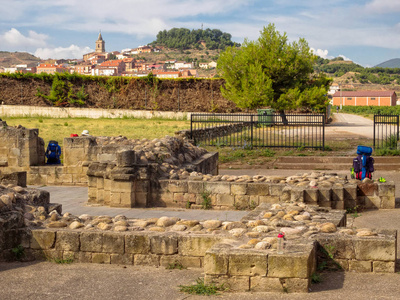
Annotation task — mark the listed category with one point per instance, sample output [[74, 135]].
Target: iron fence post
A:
[[374, 130], [323, 134], [251, 138]]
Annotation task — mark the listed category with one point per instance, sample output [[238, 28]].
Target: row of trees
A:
[[183, 38]]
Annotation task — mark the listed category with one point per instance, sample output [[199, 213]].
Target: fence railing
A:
[[259, 130], [386, 131]]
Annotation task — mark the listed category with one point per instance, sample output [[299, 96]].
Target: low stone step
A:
[[332, 166], [334, 159]]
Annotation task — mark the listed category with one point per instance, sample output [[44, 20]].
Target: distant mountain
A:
[[10, 59], [392, 63]]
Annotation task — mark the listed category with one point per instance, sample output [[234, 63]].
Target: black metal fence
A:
[[386, 131], [259, 130]]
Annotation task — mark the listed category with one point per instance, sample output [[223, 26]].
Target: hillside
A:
[[391, 63], [183, 38], [9, 59]]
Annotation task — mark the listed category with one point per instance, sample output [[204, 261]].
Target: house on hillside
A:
[[109, 68], [364, 98], [50, 69]]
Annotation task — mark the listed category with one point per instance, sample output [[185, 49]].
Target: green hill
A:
[[183, 38], [391, 63]]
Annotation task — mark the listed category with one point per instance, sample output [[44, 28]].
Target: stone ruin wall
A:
[[242, 255], [20, 148]]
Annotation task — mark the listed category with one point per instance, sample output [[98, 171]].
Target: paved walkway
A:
[[350, 125], [74, 200]]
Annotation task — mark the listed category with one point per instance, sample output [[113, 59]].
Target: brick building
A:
[[364, 98]]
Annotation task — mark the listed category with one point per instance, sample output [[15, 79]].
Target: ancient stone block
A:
[[113, 243], [386, 189], [137, 244], [218, 187], [375, 249], [337, 194], [184, 261], [350, 195], [91, 241], [296, 285], [47, 254], [225, 199], [196, 187], [122, 259], [360, 266], [128, 200], [80, 257], [247, 263], [344, 263], [370, 201], [196, 245], [297, 195], [268, 199], [178, 186], [242, 201], [366, 189], [216, 262], [164, 244], [67, 241], [122, 187], [311, 195], [146, 260], [233, 283], [383, 266], [324, 195], [388, 202], [265, 284], [238, 189], [101, 258], [276, 189], [126, 158], [42, 239], [259, 189], [289, 265]]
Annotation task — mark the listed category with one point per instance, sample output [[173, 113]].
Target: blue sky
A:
[[365, 31]]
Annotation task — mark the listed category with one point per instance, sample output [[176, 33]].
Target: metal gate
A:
[[259, 130], [386, 131]]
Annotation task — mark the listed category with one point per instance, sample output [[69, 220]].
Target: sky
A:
[[363, 31]]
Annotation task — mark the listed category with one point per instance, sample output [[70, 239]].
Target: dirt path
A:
[[347, 125]]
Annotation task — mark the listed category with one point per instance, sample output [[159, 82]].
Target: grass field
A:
[[58, 129]]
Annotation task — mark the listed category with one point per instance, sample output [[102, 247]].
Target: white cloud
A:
[[16, 40], [72, 51], [344, 57], [383, 6], [321, 53]]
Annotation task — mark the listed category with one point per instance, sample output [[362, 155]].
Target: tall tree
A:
[[272, 72]]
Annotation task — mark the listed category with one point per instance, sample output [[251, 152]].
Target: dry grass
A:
[[58, 129]]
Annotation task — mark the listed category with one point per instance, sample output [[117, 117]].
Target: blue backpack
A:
[[53, 153], [363, 164]]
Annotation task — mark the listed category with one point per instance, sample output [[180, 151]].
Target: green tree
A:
[[273, 72]]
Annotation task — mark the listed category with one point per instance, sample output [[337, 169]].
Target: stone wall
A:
[[135, 248], [205, 134], [20, 148]]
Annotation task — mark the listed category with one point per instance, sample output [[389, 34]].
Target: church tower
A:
[[100, 44]]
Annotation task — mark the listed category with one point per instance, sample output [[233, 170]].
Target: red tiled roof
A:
[[111, 63], [364, 93]]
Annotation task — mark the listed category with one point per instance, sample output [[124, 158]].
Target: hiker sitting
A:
[[363, 164], [53, 153]]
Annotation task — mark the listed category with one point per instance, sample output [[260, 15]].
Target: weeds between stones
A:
[[19, 252], [202, 289], [206, 204], [68, 260], [175, 265]]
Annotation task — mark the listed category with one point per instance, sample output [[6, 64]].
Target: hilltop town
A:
[[132, 62]]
